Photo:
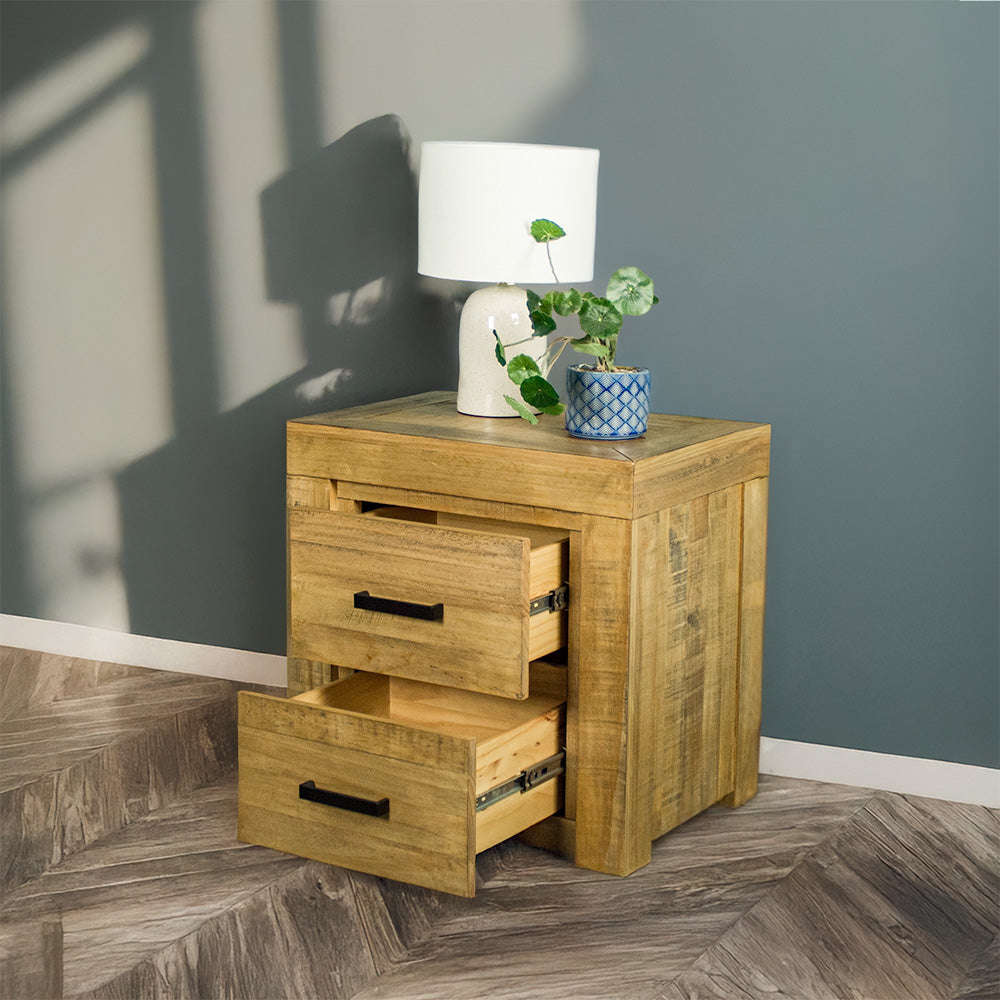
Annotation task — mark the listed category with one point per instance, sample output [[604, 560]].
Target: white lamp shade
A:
[[478, 200]]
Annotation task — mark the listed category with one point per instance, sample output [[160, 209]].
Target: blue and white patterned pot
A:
[[607, 406]]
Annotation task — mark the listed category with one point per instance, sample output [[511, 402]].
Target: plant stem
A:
[[562, 341], [514, 343], [548, 251]]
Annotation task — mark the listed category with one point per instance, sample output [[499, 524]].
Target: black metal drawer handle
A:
[[426, 612], [367, 807]]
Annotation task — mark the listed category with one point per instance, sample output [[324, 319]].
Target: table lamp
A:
[[476, 204]]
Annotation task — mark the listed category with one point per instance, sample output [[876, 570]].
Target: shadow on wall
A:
[[186, 541], [203, 518]]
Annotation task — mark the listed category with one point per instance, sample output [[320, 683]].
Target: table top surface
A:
[[433, 415]]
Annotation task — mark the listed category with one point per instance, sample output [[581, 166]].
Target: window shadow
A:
[[203, 517]]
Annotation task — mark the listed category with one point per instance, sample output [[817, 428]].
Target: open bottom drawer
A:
[[382, 774]]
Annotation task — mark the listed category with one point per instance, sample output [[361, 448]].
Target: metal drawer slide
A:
[[544, 770]]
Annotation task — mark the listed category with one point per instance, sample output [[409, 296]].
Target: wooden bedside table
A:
[[419, 539]]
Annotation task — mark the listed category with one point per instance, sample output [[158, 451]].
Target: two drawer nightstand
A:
[[497, 629]]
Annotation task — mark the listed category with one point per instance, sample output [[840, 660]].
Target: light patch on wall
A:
[[29, 112], [360, 306], [86, 338], [257, 342], [442, 66], [323, 386], [85, 341]]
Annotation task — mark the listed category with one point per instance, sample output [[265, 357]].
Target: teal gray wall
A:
[[813, 186]]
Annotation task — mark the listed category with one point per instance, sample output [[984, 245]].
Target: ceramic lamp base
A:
[[482, 380]]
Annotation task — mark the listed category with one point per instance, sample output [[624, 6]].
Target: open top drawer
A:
[[400, 778], [449, 602]]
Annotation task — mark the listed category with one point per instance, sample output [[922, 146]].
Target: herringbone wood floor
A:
[[808, 892]]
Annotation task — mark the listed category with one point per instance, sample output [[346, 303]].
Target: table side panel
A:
[[689, 606], [611, 798], [705, 467], [315, 494], [751, 644]]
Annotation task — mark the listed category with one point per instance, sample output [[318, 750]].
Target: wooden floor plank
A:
[[88, 747], [982, 981], [898, 905]]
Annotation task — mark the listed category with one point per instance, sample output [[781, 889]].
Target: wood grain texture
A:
[[438, 418], [753, 564], [678, 459], [581, 934], [426, 749], [174, 907], [470, 506], [663, 664], [689, 604], [610, 742], [367, 410], [31, 959], [87, 748], [303, 674], [306, 491], [982, 980], [317, 494], [428, 836], [735, 454], [589, 482], [548, 570], [701, 920], [555, 834], [900, 904], [481, 578]]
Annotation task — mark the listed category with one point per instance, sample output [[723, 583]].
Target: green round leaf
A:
[[585, 345], [565, 303], [522, 410], [521, 367], [546, 231], [539, 393], [542, 323], [600, 318], [631, 291]]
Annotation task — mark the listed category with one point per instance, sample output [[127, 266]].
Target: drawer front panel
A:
[[427, 836], [382, 774], [477, 639]]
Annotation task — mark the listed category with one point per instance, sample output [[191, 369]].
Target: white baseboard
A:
[[936, 779], [142, 651]]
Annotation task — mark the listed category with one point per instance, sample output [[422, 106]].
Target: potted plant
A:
[[603, 401]]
